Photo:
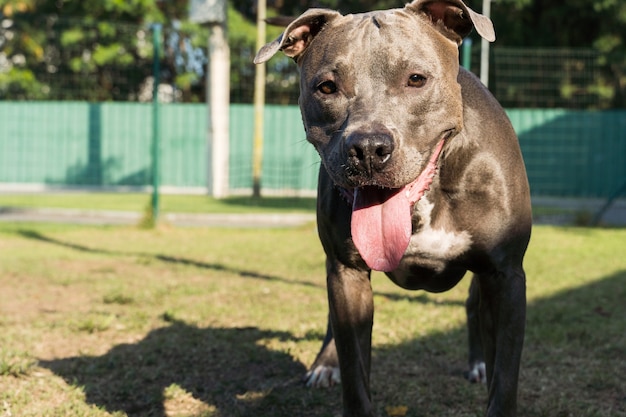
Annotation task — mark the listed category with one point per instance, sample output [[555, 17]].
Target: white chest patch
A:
[[436, 244]]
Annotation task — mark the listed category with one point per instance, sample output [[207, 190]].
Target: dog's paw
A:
[[477, 373], [322, 377]]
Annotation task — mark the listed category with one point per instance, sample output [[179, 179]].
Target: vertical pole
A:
[[484, 49], [259, 101], [218, 99], [209, 123], [467, 54], [156, 69], [213, 14]]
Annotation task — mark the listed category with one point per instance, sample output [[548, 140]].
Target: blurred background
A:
[[111, 96]]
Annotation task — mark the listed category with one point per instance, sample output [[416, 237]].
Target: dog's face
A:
[[379, 90], [388, 88]]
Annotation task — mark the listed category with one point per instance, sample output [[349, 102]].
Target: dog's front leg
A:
[[352, 315]]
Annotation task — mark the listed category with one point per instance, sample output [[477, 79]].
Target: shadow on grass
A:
[[34, 235], [224, 368], [574, 361]]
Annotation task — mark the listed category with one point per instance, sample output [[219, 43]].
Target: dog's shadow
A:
[[226, 371], [231, 371]]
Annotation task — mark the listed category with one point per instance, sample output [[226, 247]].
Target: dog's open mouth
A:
[[381, 218]]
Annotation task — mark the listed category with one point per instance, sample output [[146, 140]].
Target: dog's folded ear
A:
[[454, 19], [298, 35]]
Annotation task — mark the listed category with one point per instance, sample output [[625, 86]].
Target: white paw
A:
[[478, 373], [322, 377]]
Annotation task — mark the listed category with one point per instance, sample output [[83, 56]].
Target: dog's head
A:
[[379, 97], [379, 90]]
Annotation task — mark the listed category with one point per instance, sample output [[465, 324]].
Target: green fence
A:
[[108, 144], [572, 153], [568, 153], [99, 144], [290, 163]]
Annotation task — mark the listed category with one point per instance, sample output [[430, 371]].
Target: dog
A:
[[422, 178]]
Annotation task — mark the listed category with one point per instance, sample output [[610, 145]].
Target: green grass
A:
[[168, 203], [15, 363], [116, 321]]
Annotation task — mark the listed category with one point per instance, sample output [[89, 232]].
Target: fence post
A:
[[156, 155], [259, 103], [467, 54], [213, 13], [484, 48]]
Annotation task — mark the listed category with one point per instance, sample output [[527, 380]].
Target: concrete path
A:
[[109, 217], [574, 211], [567, 212]]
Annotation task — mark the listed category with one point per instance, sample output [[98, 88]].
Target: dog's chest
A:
[[430, 252], [435, 242]]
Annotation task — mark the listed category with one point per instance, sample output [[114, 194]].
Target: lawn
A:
[[115, 321]]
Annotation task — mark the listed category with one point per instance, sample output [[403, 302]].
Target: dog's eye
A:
[[327, 87], [416, 80]]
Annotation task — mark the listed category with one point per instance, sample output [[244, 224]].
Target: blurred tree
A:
[[41, 41], [94, 49], [282, 78], [597, 24]]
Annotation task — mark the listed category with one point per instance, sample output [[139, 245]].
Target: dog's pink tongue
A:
[[381, 226], [381, 218]]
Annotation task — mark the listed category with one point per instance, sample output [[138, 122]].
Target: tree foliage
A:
[[597, 24], [93, 49], [50, 49]]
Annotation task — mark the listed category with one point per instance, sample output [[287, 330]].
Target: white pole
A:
[[219, 61], [484, 49], [214, 14]]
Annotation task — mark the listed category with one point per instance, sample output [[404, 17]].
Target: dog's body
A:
[[422, 178]]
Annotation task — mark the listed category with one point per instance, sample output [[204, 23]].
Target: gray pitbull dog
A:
[[422, 178]]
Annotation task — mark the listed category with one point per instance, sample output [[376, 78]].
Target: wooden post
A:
[[259, 102]]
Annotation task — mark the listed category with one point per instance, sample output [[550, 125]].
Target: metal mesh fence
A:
[[48, 58], [548, 78]]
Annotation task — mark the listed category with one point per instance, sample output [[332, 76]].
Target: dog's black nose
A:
[[369, 151]]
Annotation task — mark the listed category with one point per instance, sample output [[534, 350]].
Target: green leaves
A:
[[20, 83], [112, 54], [72, 37]]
